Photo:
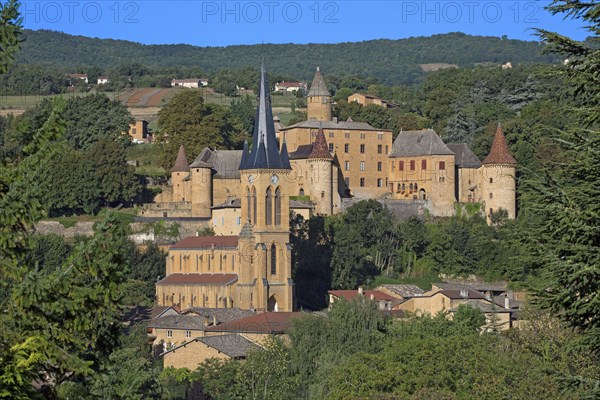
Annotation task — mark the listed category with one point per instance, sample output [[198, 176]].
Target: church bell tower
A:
[[266, 274]]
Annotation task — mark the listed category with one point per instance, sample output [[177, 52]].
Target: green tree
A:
[[94, 117], [243, 109], [11, 30], [113, 177], [188, 120]]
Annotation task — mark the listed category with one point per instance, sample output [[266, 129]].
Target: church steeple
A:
[[264, 153]]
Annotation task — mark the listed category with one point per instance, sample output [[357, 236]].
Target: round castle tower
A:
[[319, 99], [179, 172], [320, 161], [201, 188], [498, 178]]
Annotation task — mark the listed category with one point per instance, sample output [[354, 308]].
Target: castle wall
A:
[[201, 192], [424, 178], [227, 221], [225, 188], [363, 167], [468, 186]]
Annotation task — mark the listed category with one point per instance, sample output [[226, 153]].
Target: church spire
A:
[[264, 153], [500, 153]]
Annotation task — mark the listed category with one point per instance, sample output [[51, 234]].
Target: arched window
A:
[[403, 187], [411, 187], [277, 206], [253, 205], [269, 208], [273, 259], [301, 192], [249, 205]]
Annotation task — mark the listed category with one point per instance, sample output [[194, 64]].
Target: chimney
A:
[[372, 296], [488, 295], [360, 291], [506, 302], [206, 320], [214, 320], [464, 293], [334, 120]]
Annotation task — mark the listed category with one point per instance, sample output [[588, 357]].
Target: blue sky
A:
[[222, 23]]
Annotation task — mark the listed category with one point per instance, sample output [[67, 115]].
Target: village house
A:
[[73, 77], [367, 99], [138, 132], [187, 83], [383, 300], [102, 80], [289, 87]]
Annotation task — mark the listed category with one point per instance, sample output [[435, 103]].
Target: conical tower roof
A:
[[318, 86], [264, 153], [181, 163], [500, 153], [320, 149]]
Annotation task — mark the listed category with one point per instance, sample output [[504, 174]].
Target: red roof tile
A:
[[181, 163], [206, 242], [320, 149], [267, 323], [198, 279], [352, 294], [500, 153]]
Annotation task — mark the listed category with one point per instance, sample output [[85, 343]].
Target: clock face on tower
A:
[[274, 179], [251, 178]]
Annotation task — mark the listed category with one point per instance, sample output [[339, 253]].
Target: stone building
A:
[[333, 162], [253, 269]]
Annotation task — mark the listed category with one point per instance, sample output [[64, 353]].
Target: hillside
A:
[[391, 61]]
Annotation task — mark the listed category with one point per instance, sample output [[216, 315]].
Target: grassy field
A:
[[148, 159], [124, 215]]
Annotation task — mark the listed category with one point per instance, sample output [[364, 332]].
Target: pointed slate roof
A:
[[181, 163], [500, 153], [465, 158], [419, 143], [264, 153], [318, 86], [320, 149]]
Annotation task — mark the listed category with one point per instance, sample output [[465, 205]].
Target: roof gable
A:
[[464, 157]]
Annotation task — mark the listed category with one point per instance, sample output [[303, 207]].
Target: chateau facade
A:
[[330, 160]]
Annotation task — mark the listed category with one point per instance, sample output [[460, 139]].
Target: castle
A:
[[331, 162]]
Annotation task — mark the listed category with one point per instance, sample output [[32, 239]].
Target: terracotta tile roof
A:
[[198, 279], [265, 323], [181, 163], [353, 294], [206, 242], [320, 148], [500, 153]]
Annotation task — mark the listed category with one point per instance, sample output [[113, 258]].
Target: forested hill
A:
[[391, 61]]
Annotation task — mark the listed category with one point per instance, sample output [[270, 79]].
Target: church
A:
[[251, 270]]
